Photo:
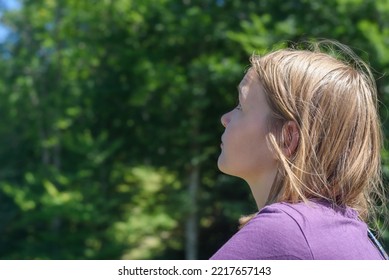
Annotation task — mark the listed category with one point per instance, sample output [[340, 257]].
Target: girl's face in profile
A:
[[245, 152]]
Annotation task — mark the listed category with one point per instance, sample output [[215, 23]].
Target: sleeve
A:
[[271, 235]]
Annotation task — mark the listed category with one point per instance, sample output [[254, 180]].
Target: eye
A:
[[238, 105]]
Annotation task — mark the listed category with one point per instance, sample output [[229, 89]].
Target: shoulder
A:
[[280, 217], [310, 212], [274, 233], [330, 232], [312, 230]]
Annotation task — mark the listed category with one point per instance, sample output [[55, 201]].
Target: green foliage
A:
[[108, 106]]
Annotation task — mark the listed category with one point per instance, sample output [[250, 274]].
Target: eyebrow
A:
[[239, 89]]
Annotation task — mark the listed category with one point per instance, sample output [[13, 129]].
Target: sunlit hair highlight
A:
[[331, 95]]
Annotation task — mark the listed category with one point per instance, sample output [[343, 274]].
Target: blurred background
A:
[[110, 117]]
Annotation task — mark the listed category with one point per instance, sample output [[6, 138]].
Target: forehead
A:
[[248, 80], [247, 77], [251, 92]]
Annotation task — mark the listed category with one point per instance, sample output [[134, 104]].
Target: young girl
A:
[[306, 138]]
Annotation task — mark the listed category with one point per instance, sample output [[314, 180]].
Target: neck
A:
[[260, 187]]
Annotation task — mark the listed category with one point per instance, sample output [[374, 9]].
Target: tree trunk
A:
[[191, 223]]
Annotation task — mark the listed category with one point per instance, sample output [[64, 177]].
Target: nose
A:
[[225, 119]]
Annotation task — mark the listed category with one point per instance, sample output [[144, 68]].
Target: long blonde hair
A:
[[331, 95]]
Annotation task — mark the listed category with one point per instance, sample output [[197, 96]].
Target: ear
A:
[[290, 138]]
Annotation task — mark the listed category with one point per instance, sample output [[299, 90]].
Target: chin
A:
[[221, 164], [223, 167]]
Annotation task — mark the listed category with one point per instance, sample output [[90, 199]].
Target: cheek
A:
[[230, 154], [245, 151]]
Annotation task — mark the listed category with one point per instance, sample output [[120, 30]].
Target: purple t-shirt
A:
[[312, 231]]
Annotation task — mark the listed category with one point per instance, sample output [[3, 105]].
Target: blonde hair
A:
[[331, 95]]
